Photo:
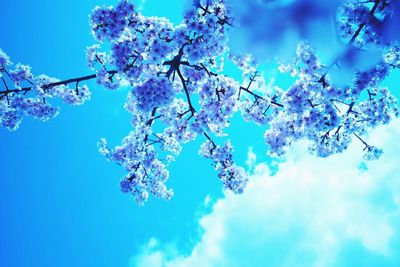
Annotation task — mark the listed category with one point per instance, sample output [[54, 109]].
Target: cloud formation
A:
[[312, 212]]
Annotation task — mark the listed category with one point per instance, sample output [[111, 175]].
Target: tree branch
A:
[[322, 80], [192, 110], [51, 85]]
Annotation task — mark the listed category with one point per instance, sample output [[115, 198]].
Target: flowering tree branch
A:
[[179, 91]]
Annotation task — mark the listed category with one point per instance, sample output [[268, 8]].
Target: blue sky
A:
[[313, 212], [60, 203]]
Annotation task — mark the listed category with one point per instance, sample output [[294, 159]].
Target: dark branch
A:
[[322, 80], [364, 143], [52, 85], [192, 110]]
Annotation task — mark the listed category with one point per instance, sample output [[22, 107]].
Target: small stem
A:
[[54, 84], [364, 143], [7, 90], [256, 96], [212, 142], [149, 123], [322, 80], [192, 110]]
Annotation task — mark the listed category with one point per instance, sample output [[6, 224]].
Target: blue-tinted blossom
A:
[[233, 177], [29, 95], [109, 23], [178, 90], [175, 74], [372, 153], [327, 115], [76, 97], [155, 92], [4, 60], [20, 74]]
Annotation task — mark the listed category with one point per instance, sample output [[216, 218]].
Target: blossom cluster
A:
[[165, 66], [179, 91], [108, 23], [24, 94], [146, 173], [233, 177], [155, 92], [327, 115], [373, 20], [175, 72]]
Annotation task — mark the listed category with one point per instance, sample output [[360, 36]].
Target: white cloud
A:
[[312, 212], [207, 201], [251, 159]]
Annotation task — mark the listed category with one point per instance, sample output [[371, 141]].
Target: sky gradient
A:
[[60, 203]]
